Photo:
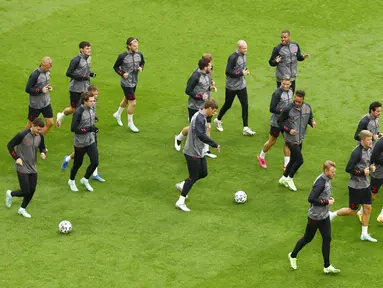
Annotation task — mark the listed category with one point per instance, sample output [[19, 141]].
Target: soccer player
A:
[[79, 74], [84, 141], [236, 71], [26, 143], [193, 150], [198, 86], [318, 217], [282, 97], [370, 121], [359, 166], [127, 65], [285, 57], [38, 88], [94, 90], [293, 121], [377, 175]]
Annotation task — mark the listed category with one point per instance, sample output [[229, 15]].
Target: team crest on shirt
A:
[[306, 110], [294, 49], [27, 142]]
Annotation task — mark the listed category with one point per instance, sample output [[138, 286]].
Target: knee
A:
[[49, 122], [203, 175], [367, 208], [300, 161], [132, 103], [352, 212]]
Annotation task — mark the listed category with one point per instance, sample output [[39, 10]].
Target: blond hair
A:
[[328, 164], [46, 60], [364, 134]]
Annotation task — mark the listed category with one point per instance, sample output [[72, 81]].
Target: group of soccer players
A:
[[290, 117]]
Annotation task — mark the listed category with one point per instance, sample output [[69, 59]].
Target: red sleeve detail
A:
[[238, 72], [198, 96]]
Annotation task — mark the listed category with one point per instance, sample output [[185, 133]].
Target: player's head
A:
[[285, 37], [204, 65], [37, 126], [209, 57], [299, 98], [286, 83], [365, 138], [242, 46], [375, 109], [87, 99], [46, 63], [94, 90], [132, 44], [85, 48], [210, 107], [329, 169]]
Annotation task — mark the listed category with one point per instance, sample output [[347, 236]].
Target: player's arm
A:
[[14, 142], [200, 131], [311, 117], [274, 55], [72, 67], [42, 147], [282, 120], [275, 98], [142, 63], [231, 62], [361, 126], [352, 165], [376, 152], [31, 88], [318, 188], [192, 82], [118, 63], [299, 54]]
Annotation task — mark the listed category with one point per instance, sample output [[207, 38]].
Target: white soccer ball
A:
[[240, 197], [65, 227]]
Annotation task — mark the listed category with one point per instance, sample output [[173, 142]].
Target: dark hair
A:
[[286, 32], [92, 87], [202, 63], [130, 40], [85, 97], [38, 122], [300, 93], [374, 105], [210, 103], [84, 44]]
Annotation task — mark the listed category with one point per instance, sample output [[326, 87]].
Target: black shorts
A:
[[193, 111], [129, 92], [375, 184], [34, 113], [74, 99], [359, 196], [274, 131]]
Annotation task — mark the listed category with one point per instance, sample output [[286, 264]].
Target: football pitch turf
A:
[[127, 233]]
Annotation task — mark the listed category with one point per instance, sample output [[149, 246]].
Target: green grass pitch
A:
[[127, 233]]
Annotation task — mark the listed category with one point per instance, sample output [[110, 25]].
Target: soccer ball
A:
[[240, 197], [65, 227]]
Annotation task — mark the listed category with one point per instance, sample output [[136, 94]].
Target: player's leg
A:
[[178, 138], [193, 164], [48, 115], [24, 187], [123, 104], [32, 179], [279, 84], [366, 200], [243, 99], [207, 147], [95, 175], [66, 161], [274, 133], [79, 153], [325, 230], [131, 108], [74, 98], [229, 98], [92, 152], [32, 115], [311, 229], [292, 86], [353, 204], [295, 162], [287, 153], [298, 161]]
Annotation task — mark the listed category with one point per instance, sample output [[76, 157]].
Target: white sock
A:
[[263, 154], [130, 118], [180, 136], [288, 178], [181, 199], [335, 214], [287, 160], [381, 212], [245, 128], [364, 230], [63, 114], [67, 159], [120, 110], [95, 173], [360, 212]]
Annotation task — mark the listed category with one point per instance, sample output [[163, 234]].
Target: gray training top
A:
[[235, 80], [198, 84], [279, 100], [197, 138], [26, 145], [79, 73], [319, 197], [83, 126], [359, 160], [36, 82]]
